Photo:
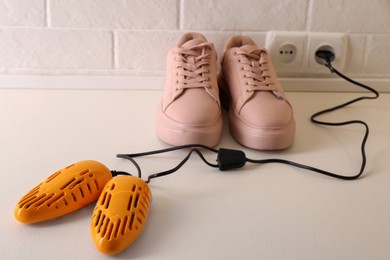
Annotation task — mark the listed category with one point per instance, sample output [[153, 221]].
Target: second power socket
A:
[[293, 53]]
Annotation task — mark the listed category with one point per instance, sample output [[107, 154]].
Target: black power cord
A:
[[194, 149], [231, 159]]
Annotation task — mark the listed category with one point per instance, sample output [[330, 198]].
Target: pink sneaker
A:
[[260, 117], [190, 110]]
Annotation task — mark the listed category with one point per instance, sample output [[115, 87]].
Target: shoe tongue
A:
[[250, 49], [191, 44]]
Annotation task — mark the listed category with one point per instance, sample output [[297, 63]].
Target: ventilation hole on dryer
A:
[[96, 184], [130, 203], [134, 187], [32, 192], [89, 188], [31, 202], [100, 223], [53, 176], [67, 184], [131, 221], [55, 199], [77, 183], [84, 172], [26, 200], [69, 166], [103, 199], [136, 200], [42, 201], [98, 216], [109, 230], [108, 201], [81, 192], [124, 225], [116, 229], [74, 197], [105, 226]]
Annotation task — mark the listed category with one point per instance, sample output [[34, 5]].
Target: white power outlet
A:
[[287, 51], [334, 42], [293, 53]]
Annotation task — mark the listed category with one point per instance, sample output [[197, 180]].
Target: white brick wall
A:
[[22, 13], [133, 14], [243, 15], [31, 48], [132, 37]]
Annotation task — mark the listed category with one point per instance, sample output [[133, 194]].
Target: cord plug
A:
[[325, 55], [230, 159]]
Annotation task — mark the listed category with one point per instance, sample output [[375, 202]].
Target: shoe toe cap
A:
[[266, 110], [195, 109]]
